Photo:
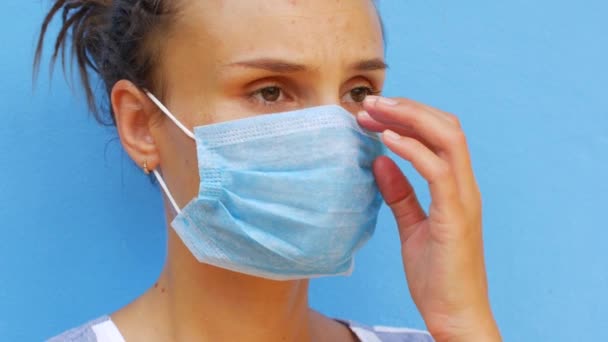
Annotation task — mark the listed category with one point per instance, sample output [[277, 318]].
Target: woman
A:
[[257, 204]]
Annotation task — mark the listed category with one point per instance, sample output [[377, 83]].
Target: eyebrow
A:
[[370, 65], [270, 64], [285, 67]]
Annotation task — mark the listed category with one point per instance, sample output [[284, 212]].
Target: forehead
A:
[[295, 29]]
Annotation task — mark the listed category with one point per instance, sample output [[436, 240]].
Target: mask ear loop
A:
[[159, 178], [163, 185], [171, 116]]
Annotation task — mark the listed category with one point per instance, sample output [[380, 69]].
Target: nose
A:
[[327, 93]]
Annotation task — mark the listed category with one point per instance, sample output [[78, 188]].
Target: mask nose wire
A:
[[159, 178]]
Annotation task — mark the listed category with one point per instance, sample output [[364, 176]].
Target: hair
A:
[[115, 39]]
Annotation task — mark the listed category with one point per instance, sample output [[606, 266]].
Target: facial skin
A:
[[226, 60]]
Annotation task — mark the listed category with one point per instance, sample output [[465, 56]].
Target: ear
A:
[[134, 112]]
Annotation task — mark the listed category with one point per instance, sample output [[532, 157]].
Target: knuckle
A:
[[454, 119], [478, 194], [479, 200], [442, 170], [456, 137], [404, 101], [409, 104], [475, 206]]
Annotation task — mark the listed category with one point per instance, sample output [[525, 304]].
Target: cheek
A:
[[213, 106], [187, 178], [230, 108], [179, 164]]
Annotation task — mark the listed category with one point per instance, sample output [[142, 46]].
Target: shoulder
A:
[[380, 333], [101, 329]]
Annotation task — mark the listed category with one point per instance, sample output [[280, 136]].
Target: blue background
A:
[[83, 230]]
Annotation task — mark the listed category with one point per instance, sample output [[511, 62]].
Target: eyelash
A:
[[258, 92], [253, 96], [373, 91]]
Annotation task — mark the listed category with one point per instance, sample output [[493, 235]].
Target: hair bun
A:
[[108, 37]]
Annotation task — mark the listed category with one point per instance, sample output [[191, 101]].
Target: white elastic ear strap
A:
[[163, 185], [171, 116], [159, 178]]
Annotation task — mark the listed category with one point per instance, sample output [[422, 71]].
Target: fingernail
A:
[[391, 135], [374, 100], [371, 99], [387, 101], [363, 115]]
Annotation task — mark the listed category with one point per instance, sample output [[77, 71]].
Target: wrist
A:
[[481, 334], [468, 326]]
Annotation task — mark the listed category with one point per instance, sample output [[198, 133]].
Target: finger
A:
[[446, 139], [369, 123], [411, 115], [399, 195], [447, 117], [436, 171]]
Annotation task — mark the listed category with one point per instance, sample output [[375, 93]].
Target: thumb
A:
[[399, 195]]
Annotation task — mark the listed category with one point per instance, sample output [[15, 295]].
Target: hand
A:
[[442, 251]]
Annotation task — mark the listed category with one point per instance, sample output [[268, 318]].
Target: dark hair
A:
[[116, 39]]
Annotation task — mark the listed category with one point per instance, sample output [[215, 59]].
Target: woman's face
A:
[[231, 59]]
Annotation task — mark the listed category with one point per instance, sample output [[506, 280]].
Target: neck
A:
[[206, 303]]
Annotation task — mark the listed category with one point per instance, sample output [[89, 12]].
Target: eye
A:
[[358, 94], [270, 94]]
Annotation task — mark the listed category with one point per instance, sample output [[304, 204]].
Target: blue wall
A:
[[82, 229]]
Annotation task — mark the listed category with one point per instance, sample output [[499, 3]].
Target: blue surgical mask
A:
[[282, 196]]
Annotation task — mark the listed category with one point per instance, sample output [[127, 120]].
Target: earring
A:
[[145, 167]]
